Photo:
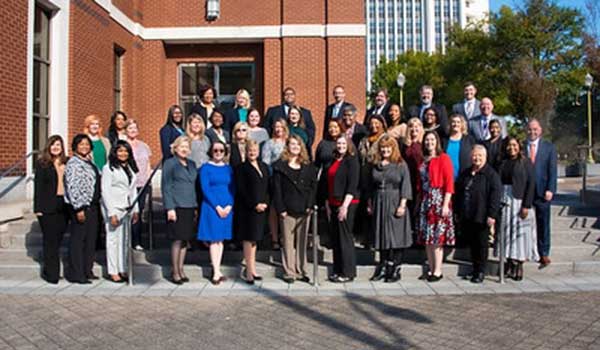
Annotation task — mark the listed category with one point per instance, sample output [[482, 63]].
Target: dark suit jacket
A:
[[278, 112], [415, 112], [485, 193], [235, 157], [44, 190], [545, 169], [197, 108], [476, 130], [212, 135], [329, 115], [168, 134], [232, 116], [360, 131], [460, 109], [384, 112]]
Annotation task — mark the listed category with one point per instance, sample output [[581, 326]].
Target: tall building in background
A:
[[397, 26]]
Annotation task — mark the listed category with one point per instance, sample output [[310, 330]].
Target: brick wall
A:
[[13, 81]]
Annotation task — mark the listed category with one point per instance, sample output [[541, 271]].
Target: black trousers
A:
[[391, 255], [53, 227], [344, 256], [82, 245], [136, 229], [477, 235]]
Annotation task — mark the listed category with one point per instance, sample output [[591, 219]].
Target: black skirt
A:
[[184, 229]]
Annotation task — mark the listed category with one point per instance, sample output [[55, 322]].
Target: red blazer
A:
[[441, 173]]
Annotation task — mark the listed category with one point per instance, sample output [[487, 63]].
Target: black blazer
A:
[[232, 116], [485, 192], [522, 175], [198, 108], [44, 191], [293, 197], [278, 112], [360, 131], [212, 135], [466, 144], [251, 188], [235, 157], [415, 112], [329, 115], [384, 113], [346, 179]]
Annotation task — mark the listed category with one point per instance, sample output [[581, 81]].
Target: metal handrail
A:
[[127, 219], [316, 243], [19, 161]]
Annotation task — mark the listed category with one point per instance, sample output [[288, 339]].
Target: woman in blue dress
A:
[[216, 211]]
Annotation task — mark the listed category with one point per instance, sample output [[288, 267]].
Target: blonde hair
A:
[[245, 94], [188, 128], [178, 141], [249, 144], [412, 122], [286, 155], [237, 127], [286, 130], [88, 121], [463, 122]]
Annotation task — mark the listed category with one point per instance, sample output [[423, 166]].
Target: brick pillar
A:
[[272, 75]]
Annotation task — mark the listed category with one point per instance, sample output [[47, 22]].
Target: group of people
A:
[[400, 178]]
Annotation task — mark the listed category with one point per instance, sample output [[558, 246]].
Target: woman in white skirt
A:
[[118, 193], [518, 216]]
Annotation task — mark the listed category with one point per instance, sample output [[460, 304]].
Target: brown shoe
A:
[[544, 261]]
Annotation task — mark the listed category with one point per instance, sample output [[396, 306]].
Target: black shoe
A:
[[289, 280], [395, 275], [91, 276], [333, 277], [389, 270], [185, 279], [250, 282], [49, 280], [478, 278], [303, 279], [85, 281], [258, 278], [425, 276], [176, 281], [342, 279], [518, 276], [434, 278], [379, 273]]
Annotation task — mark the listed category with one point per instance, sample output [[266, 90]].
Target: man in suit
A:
[[479, 126], [381, 105], [354, 131], [335, 110], [275, 113], [417, 111], [468, 108], [543, 156]]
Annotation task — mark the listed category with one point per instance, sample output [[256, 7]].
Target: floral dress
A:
[[432, 227]]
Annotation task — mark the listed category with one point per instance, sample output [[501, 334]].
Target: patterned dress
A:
[[432, 227]]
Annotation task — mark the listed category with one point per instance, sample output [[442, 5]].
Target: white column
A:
[[429, 25], [442, 34], [413, 26], [386, 23], [59, 71], [395, 28], [404, 26], [369, 38]]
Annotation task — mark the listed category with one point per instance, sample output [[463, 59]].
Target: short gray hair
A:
[[349, 108], [479, 148]]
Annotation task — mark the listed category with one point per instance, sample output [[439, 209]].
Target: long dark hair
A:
[[504, 145], [114, 162], [46, 158], [112, 129], [170, 112], [438, 148]]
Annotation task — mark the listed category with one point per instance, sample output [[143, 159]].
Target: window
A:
[[227, 79], [41, 76], [117, 88]]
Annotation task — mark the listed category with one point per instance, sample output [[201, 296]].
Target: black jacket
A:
[[329, 115], [346, 179], [522, 176], [360, 131], [415, 112], [466, 144], [235, 157], [199, 109], [44, 192], [485, 194], [293, 197], [384, 113]]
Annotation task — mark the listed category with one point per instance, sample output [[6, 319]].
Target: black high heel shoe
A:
[[379, 273], [519, 271]]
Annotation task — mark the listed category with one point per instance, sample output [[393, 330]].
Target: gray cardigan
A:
[[178, 184]]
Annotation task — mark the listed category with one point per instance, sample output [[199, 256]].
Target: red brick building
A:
[[65, 59]]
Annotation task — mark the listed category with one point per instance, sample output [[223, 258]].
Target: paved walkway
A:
[[353, 321], [275, 287]]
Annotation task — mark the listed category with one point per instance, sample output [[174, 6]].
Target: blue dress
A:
[[218, 189]]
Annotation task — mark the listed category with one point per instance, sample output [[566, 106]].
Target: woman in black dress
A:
[[494, 144], [49, 204], [391, 189], [252, 183]]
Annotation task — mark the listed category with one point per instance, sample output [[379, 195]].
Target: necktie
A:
[[469, 109], [484, 126], [336, 110], [532, 152]]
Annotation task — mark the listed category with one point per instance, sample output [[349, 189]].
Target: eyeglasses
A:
[[218, 150], [242, 130]]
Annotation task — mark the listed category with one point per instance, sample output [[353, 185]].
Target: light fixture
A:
[[400, 80], [589, 80], [213, 9]]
